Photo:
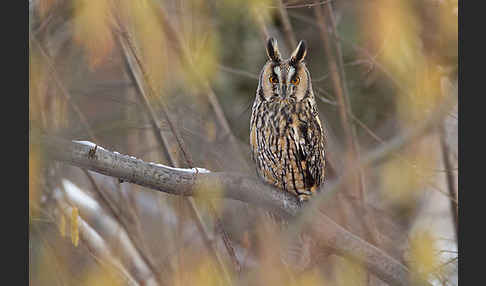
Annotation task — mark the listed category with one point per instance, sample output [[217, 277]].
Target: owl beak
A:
[[284, 91]]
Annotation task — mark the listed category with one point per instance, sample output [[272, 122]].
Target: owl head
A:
[[285, 79]]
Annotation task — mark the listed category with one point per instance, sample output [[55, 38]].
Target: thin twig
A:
[[450, 179], [140, 83], [309, 5], [64, 92], [239, 72], [287, 27], [261, 24], [370, 58]]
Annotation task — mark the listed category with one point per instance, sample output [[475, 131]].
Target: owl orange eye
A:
[[295, 80], [273, 79]]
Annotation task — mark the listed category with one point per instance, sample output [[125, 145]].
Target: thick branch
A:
[[187, 182], [345, 243]]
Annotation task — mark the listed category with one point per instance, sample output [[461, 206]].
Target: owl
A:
[[286, 138]]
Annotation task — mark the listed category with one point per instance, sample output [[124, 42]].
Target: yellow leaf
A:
[[423, 97], [204, 53], [75, 226], [404, 177], [423, 258], [396, 30]]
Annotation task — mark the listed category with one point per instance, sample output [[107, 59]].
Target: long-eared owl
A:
[[286, 135]]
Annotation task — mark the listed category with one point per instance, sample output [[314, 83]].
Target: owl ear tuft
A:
[[272, 50], [299, 53]]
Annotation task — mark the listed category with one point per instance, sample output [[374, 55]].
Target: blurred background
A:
[[173, 82]]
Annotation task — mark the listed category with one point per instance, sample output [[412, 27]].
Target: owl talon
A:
[[303, 197]]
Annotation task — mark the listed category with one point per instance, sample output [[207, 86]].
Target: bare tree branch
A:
[[167, 179]]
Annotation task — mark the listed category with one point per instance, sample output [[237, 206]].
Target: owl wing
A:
[[310, 153]]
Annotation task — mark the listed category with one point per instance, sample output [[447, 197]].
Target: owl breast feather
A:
[[287, 146]]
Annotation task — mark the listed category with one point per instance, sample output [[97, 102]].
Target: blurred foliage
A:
[[404, 177], [148, 35], [97, 276], [92, 20], [350, 272], [75, 226], [423, 255], [203, 272], [396, 56], [204, 48]]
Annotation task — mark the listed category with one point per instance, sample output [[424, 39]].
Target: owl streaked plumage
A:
[[286, 135]]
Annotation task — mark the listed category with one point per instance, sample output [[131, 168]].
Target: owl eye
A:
[[295, 80], [273, 79]]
